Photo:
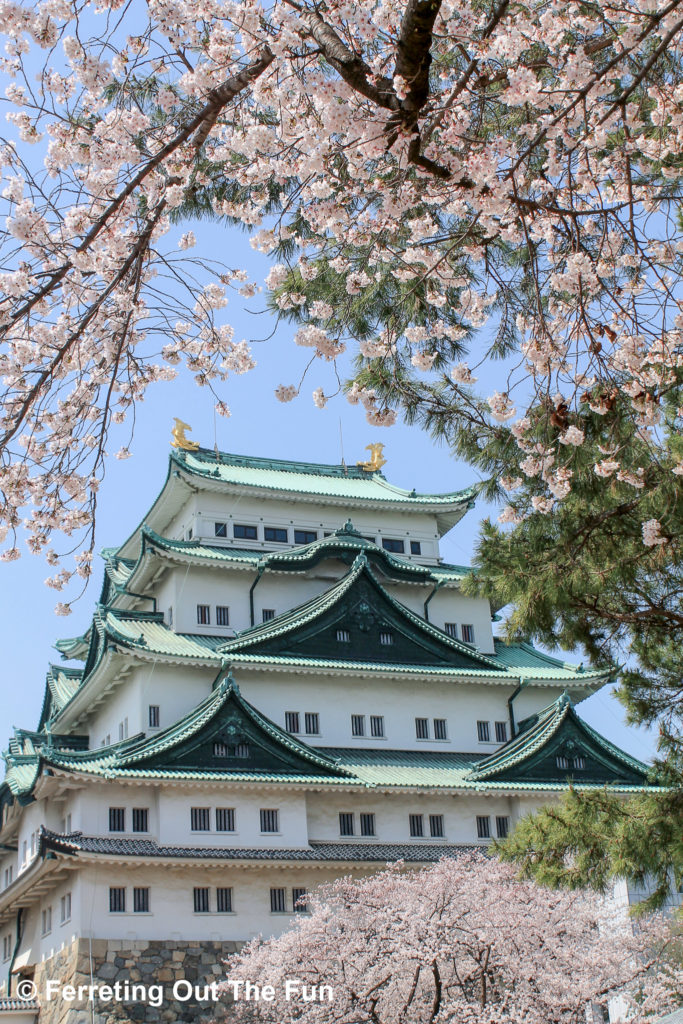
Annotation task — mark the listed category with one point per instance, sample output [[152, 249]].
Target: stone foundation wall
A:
[[135, 962]]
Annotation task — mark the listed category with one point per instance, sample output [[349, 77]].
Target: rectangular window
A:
[[501, 732], [436, 826], [346, 827], [502, 826], [117, 819], [377, 725], [483, 732], [300, 901], [242, 750], [154, 716], [225, 819], [141, 900], [6, 947], [224, 900], [312, 723], [46, 921], [203, 615], [267, 614], [292, 721], [242, 532], [390, 544], [270, 820], [169, 616], [367, 824], [358, 725], [189, 535], [222, 615], [220, 529], [343, 636], [278, 901], [123, 730], [140, 819], [452, 629], [483, 826], [579, 763], [200, 819], [65, 908], [305, 536], [386, 638], [416, 823], [422, 728], [440, 732], [200, 895], [117, 899], [562, 762], [275, 535], [415, 548], [467, 633]]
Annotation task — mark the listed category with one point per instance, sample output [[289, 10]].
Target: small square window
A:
[[501, 732], [502, 826], [392, 544], [117, 899], [440, 731], [224, 900], [451, 628], [467, 633], [117, 819], [275, 535], [225, 819], [201, 899], [416, 823], [267, 614], [203, 615], [153, 716], [222, 615], [200, 819], [343, 636], [278, 901], [346, 826], [242, 532], [300, 901], [377, 725], [140, 819], [141, 900], [292, 721], [305, 536], [358, 725], [270, 821], [415, 547], [386, 638], [483, 826], [367, 824], [483, 732], [436, 826], [422, 728], [312, 723], [220, 529]]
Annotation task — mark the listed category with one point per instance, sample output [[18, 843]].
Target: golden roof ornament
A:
[[179, 439], [376, 460]]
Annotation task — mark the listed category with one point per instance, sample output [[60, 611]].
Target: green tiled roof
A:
[[61, 684]]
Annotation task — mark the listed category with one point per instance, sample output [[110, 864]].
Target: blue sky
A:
[[259, 425]]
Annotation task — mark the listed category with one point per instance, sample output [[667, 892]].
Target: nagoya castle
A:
[[282, 682]]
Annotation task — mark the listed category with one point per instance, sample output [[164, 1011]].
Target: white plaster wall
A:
[[44, 946], [175, 807]]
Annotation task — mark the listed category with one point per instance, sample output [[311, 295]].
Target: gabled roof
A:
[[556, 742], [61, 684]]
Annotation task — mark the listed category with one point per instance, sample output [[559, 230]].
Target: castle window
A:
[[203, 615], [221, 749], [415, 547], [377, 725], [270, 820], [169, 615], [123, 730], [200, 898], [242, 750], [358, 725], [483, 826], [224, 750], [292, 721], [220, 529], [391, 544], [386, 638], [117, 819], [242, 532], [312, 723], [278, 901], [501, 732], [6, 946], [436, 826], [300, 901], [65, 908], [367, 824], [268, 614], [416, 825], [422, 728], [440, 732], [467, 633], [579, 763], [275, 535], [563, 762], [343, 636], [189, 535], [46, 921], [154, 716], [117, 899], [140, 819], [305, 536], [346, 826], [141, 900], [452, 629], [225, 819], [224, 900], [222, 615], [200, 819], [9, 872], [502, 826], [483, 732]]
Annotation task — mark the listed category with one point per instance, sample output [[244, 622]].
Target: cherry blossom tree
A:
[[417, 170], [463, 941]]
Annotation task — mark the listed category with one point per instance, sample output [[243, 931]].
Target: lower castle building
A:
[[282, 682]]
